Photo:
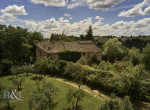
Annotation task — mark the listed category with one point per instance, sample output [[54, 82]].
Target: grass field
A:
[[88, 103]]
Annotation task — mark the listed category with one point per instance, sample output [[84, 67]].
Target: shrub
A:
[[6, 65], [61, 66], [69, 55], [127, 104], [42, 65], [112, 104], [106, 66], [82, 61], [22, 69], [53, 67], [135, 56], [115, 104], [94, 59], [146, 57]]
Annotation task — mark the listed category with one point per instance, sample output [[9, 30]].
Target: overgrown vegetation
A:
[[69, 55], [17, 46], [124, 70]]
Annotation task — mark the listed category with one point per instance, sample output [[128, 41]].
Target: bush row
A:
[[133, 81]]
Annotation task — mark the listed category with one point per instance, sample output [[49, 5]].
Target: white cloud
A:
[[11, 12], [66, 14], [102, 4], [7, 15], [76, 3], [147, 10], [73, 5], [2, 21], [99, 18], [59, 3], [15, 10], [136, 10], [119, 28]]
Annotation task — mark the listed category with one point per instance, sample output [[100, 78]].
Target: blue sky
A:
[[107, 17]]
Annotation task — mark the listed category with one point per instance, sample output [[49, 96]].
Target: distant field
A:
[[88, 103]]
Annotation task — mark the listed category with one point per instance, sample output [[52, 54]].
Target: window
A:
[[49, 48]]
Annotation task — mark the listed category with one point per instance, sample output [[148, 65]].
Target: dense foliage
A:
[[17, 46], [69, 55], [133, 80], [115, 104], [146, 56], [113, 50]]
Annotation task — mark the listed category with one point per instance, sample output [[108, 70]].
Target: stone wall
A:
[[88, 55], [40, 53]]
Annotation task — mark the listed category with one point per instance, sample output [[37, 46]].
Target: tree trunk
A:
[[18, 87], [77, 103], [8, 105], [20, 84]]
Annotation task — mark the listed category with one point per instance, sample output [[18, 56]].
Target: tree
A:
[[113, 50], [112, 104], [89, 34], [17, 45], [18, 82], [43, 99], [42, 65], [1, 92], [134, 55], [74, 98], [54, 37], [82, 37], [146, 57]]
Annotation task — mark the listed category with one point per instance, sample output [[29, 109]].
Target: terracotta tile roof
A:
[[80, 46]]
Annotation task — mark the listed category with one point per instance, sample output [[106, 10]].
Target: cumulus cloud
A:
[[11, 12], [73, 5], [147, 10], [102, 4], [7, 15], [15, 10], [136, 10], [59, 3], [99, 18], [76, 3], [119, 28]]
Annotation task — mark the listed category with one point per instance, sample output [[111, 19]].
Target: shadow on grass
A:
[[141, 106], [37, 78], [10, 108]]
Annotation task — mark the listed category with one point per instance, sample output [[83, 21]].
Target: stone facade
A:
[[51, 49]]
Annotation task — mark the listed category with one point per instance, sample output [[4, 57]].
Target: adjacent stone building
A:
[[51, 49]]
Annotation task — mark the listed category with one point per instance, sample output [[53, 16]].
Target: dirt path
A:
[[99, 95], [85, 88]]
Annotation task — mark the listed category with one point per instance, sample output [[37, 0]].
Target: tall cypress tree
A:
[[89, 34]]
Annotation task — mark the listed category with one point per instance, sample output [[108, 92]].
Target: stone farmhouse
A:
[[50, 49]]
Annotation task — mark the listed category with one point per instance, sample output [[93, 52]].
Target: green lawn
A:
[[88, 103]]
